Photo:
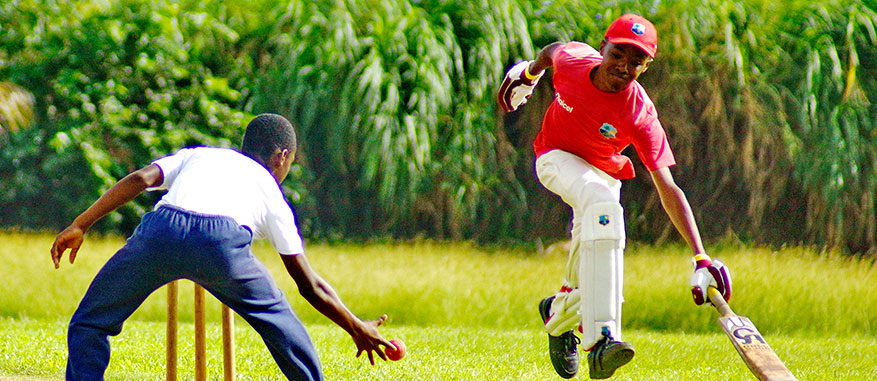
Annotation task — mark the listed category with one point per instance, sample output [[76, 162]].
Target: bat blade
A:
[[754, 350], [750, 344]]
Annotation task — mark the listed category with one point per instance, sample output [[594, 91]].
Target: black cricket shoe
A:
[[563, 349], [608, 355]]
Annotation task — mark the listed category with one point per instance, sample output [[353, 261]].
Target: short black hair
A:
[[265, 134]]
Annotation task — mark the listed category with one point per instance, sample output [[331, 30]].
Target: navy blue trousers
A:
[[212, 251]]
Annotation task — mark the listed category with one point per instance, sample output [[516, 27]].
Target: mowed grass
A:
[[34, 350], [467, 313]]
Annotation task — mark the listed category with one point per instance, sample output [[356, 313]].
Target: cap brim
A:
[[621, 40]]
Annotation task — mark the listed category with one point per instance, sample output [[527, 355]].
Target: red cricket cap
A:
[[635, 30]]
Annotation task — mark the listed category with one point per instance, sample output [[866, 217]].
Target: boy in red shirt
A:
[[599, 109]]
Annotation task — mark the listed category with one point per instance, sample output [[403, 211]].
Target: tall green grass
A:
[[467, 313], [792, 290]]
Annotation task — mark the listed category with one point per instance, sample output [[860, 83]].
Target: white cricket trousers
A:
[[590, 298]]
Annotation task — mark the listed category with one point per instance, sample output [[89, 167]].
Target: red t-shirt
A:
[[596, 125]]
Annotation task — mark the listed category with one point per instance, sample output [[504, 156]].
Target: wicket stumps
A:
[[200, 337]]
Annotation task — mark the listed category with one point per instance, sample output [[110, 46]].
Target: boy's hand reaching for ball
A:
[[369, 339]]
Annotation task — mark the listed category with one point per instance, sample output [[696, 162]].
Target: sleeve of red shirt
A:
[[557, 64], [651, 143], [560, 57]]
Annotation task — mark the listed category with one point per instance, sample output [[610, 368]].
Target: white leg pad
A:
[[564, 314], [601, 271]]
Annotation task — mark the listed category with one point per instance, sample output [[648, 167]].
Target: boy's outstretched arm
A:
[[123, 191], [707, 272], [676, 205], [320, 294]]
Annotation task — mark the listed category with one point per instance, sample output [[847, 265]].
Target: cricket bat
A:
[[758, 356]]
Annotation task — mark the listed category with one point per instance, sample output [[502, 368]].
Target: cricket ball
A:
[[397, 353]]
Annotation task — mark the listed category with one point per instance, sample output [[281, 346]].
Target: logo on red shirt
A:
[[608, 131], [563, 104]]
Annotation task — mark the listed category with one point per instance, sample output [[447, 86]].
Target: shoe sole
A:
[[612, 363]]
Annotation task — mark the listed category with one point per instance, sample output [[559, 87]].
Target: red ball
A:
[[397, 353]]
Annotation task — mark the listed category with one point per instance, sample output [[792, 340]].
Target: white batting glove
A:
[[517, 86], [709, 272]]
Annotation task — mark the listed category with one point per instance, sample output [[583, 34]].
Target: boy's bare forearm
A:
[[678, 209], [319, 293], [123, 191], [543, 60], [680, 214], [325, 300]]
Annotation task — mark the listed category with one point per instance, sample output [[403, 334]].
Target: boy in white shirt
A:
[[218, 201]]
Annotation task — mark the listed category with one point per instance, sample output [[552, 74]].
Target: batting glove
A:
[[517, 86], [707, 273]]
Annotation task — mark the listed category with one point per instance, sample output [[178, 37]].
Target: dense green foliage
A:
[[767, 105], [777, 116]]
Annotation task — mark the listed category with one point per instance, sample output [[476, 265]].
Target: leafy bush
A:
[[118, 85], [767, 106]]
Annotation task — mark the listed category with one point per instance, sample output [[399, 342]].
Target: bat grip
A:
[[719, 302]]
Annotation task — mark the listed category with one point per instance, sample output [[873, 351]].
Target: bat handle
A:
[[719, 302]]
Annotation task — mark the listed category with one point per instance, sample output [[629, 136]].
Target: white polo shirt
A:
[[221, 181]]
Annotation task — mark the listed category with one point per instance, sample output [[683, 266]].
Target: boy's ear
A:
[[278, 157]]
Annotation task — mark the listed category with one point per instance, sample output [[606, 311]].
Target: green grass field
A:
[[467, 313]]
